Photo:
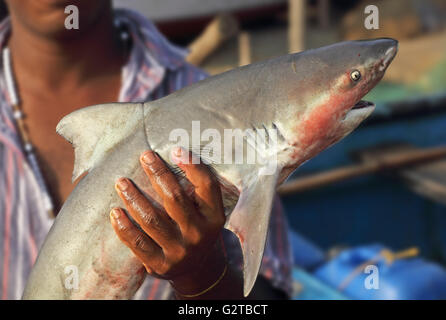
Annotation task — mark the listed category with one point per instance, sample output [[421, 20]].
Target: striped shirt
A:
[[155, 68]]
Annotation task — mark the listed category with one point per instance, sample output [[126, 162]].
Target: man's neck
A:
[[64, 64]]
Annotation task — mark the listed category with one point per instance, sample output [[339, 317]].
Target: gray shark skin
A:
[[312, 100]]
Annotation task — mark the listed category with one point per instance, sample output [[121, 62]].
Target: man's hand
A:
[[181, 244]]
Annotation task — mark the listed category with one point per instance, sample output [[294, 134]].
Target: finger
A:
[[153, 221], [207, 189], [140, 244], [177, 204]]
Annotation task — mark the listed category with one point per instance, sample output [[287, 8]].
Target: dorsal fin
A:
[[94, 130]]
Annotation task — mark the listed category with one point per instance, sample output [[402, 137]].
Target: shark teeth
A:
[[362, 104]]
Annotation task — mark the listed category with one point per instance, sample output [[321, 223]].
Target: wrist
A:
[[205, 277]]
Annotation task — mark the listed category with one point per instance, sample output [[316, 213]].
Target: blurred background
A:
[[379, 196]]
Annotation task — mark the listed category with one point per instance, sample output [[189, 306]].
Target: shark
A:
[[302, 103]]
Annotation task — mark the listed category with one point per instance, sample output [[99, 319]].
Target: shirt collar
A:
[[144, 31], [151, 56]]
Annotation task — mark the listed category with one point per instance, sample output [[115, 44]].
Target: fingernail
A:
[[177, 151], [148, 157], [115, 213], [177, 155], [122, 184]]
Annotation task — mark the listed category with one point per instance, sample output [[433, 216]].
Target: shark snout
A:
[[388, 50]]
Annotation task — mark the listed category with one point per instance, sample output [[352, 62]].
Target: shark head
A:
[[326, 104]]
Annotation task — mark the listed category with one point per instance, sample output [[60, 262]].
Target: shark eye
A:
[[355, 75]]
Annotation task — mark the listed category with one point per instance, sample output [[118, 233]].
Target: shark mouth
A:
[[361, 110], [362, 104]]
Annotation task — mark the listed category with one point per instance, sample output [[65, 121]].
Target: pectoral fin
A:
[[95, 130], [249, 221]]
